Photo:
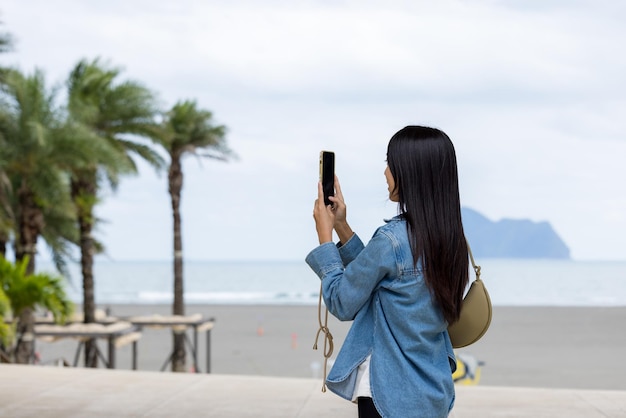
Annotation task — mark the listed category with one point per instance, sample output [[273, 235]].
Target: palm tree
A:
[[117, 113], [59, 229], [21, 292], [6, 44], [186, 130], [37, 151], [6, 213]]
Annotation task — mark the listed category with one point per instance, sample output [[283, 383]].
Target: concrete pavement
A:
[[51, 392]]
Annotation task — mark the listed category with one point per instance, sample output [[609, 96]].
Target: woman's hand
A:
[[324, 217], [344, 232], [339, 205]]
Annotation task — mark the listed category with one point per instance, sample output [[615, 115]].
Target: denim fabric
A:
[[395, 320]]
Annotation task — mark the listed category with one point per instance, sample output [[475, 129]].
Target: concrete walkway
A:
[[47, 392]]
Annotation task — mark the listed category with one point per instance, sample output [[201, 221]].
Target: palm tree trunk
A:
[[4, 206], [30, 225], [25, 337], [175, 178], [84, 197], [3, 244]]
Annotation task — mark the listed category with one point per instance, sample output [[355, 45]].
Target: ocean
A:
[[510, 282]]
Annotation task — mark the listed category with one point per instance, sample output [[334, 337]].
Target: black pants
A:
[[367, 408]]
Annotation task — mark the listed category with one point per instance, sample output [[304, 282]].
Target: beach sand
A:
[[552, 347]]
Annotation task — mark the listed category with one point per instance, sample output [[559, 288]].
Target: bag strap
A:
[[328, 337], [476, 268]]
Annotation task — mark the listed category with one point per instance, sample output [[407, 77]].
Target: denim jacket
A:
[[395, 320]]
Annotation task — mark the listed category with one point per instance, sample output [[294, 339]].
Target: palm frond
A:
[[113, 110], [38, 152], [62, 236], [7, 217], [146, 152], [53, 296], [6, 41], [7, 330], [5, 304], [189, 129], [33, 291]]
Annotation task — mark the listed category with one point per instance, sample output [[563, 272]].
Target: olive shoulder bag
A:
[[475, 312]]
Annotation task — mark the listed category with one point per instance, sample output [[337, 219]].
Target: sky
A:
[[532, 94]]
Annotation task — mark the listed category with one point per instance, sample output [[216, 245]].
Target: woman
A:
[[403, 288]]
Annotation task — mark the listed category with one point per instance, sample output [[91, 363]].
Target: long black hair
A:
[[422, 162]]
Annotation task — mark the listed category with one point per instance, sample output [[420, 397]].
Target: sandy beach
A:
[[552, 347]]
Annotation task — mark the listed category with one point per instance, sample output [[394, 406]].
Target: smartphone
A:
[[327, 174]]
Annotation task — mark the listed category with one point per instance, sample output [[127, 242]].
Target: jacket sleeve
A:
[[350, 249], [347, 289]]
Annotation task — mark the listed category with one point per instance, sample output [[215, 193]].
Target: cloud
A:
[[532, 94]]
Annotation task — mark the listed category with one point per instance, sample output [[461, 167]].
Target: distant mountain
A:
[[512, 238]]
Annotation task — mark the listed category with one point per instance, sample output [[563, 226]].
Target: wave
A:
[[227, 298], [510, 283]]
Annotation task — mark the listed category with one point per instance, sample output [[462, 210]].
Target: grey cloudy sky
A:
[[532, 93]]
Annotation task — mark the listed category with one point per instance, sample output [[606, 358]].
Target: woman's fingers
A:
[[338, 198], [324, 217], [320, 191], [319, 206], [338, 189]]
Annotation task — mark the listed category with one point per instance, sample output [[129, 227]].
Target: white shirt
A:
[[362, 387]]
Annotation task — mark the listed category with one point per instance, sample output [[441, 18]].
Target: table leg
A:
[[195, 349], [101, 357], [134, 355], [194, 352], [167, 361], [33, 356], [111, 364], [77, 355], [208, 351]]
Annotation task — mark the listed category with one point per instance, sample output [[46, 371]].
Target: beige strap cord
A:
[[328, 337], [476, 268]]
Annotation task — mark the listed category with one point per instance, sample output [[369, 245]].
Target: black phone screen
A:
[[327, 175]]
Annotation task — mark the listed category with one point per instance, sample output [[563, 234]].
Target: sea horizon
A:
[[510, 282]]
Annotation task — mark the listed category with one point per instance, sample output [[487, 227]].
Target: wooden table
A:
[[180, 323], [117, 335]]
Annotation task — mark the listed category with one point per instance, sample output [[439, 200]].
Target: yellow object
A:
[[467, 370]]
